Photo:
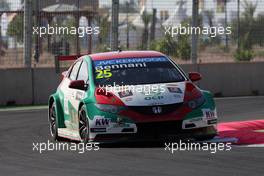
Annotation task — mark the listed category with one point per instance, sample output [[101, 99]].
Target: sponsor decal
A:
[[157, 110], [102, 122], [120, 66], [129, 61], [209, 114], [175, 90], [128, 99], [126, 63], [103, 74], [154, 98], [125, 94]]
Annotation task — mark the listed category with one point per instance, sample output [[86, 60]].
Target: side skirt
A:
[[69, 134]]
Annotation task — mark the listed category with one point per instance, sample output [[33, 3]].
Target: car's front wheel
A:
[[206, 133], [83, 126]]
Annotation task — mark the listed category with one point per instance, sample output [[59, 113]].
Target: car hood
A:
[[151, 94]]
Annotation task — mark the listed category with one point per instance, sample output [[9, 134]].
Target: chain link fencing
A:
[[229, 30]]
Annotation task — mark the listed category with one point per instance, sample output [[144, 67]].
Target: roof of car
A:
[[125, 54]]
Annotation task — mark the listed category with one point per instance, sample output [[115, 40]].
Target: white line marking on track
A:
[[29, 108], [251, 145]]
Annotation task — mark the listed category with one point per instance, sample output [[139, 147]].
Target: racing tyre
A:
[[53, 123], [206, 133], [83, 126]]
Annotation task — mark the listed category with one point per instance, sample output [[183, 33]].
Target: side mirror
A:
[[77, 84], [63, 74], [194, 76]]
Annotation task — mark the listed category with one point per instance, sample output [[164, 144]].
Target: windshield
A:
[[135, 71]]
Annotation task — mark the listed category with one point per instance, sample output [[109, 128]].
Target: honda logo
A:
[[157, 110]]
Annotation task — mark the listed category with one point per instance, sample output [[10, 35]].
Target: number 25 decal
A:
[[103, 74]]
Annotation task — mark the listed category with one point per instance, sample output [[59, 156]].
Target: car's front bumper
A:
[[110, 127], [168, 130], [155, 136]]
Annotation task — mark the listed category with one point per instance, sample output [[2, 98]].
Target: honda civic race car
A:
[[130, 95]]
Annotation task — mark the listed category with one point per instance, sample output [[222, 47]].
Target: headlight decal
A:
[[193, 104]]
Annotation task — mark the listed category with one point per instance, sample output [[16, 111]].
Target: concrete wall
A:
[[231, 79], [225, 79], [17, 87]]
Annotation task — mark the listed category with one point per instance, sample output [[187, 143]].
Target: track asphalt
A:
[[19, 129]]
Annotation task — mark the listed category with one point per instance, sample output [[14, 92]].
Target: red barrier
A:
[[69, 58], [58, 59], [247, 132]]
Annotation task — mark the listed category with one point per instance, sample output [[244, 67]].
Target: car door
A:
[[78, 95], [69, 95]]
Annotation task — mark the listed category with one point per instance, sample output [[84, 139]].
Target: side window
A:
[[83, 73], [75, 70]]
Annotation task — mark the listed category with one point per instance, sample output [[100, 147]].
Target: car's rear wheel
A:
[[83, 126], [52, 122]]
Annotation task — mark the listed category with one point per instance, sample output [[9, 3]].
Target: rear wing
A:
[[59, 59]]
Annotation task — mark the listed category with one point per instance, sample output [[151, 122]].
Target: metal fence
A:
[[230, 30]]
